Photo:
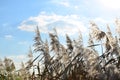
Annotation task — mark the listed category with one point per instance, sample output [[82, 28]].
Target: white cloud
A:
[[69, 24], [65, 3], [23, 42], [102, 21], [76, 7], [17, 59], [21, 57], [8, 37], [68, 4]]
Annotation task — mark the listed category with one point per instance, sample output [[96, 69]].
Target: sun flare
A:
[[110, 4]]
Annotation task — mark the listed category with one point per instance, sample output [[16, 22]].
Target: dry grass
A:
[[74, 62]]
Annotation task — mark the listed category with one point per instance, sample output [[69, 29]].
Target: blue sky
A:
[[18, 19]]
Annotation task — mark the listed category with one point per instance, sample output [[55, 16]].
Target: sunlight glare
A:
[[111, 4]]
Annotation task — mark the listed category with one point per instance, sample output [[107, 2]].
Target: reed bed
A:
[[74, 62]]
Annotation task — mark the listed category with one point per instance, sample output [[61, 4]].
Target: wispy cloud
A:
[[65, 3], [69, 24], [68, 3], [23, 42], [22, 57], [8, 37]]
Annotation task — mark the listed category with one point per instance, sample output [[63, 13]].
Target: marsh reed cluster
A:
[[71, 61]]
